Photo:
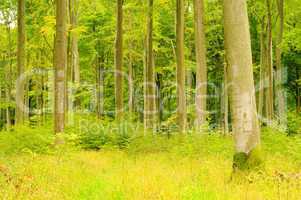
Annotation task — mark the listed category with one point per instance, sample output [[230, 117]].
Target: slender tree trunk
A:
[[21, 63], [60, 60], [298, 97], [131, 81], [150, 77], [242, 97], [100, 86], [279, 79], [42, 99], [2, 114], [8, 120], [262, 71], [131, 72], [269, 59], [74, 42], [225, 98], [9, 77], [298, 100], [119, 62], [181, 96], [145, 102], [201, 68]]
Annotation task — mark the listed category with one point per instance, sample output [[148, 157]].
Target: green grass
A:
[[154, 167]]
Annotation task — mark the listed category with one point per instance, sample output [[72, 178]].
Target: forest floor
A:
[[149, 170]]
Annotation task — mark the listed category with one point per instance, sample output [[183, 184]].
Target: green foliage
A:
[[101, 134], [26, 140], [293, 123], [180, 167]]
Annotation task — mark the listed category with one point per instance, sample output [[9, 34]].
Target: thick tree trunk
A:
[[242, 96], [21, 63], [60, 59], [201, 66], [280, 96], [119, 62], [181, 96], [150, 72]]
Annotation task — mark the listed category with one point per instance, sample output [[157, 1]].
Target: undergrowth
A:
[[121, 162]]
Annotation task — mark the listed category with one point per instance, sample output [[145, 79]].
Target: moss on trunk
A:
[[243, 161]]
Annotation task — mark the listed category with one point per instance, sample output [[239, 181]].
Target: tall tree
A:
[[8, 71], [201, 66], [269, 65], [150, 75], [225, 100], [279, 79], [119, 61], [242, 95], [75, 68], [21, 56], [262, 70], [60, 61], [131, 73], [181, 74]]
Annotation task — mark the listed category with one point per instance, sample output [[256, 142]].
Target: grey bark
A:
[[242, 93], [201, 66]]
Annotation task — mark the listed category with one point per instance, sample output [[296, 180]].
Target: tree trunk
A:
[[75, 68], [60, 59], [9, 77], [131, 81], [262, 71], [181, 96], [201, 66], [119, 62], [298, 97], [279, 79], [100, 86], [131, 72], [269, 59], [150, 77], [225, 105], [21, 63], [242, 97]]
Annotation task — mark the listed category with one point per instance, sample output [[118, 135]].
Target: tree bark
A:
[[131, 81], [269, 60], [74, 42], [225, 98], [298, 97], [60, 61], [201, 66], [150, 75], [131, 72], [280, 79], [21, 56], [9, 78], [181, 96], [119, 62], [242, 96], [262, 71], [99, 66]]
